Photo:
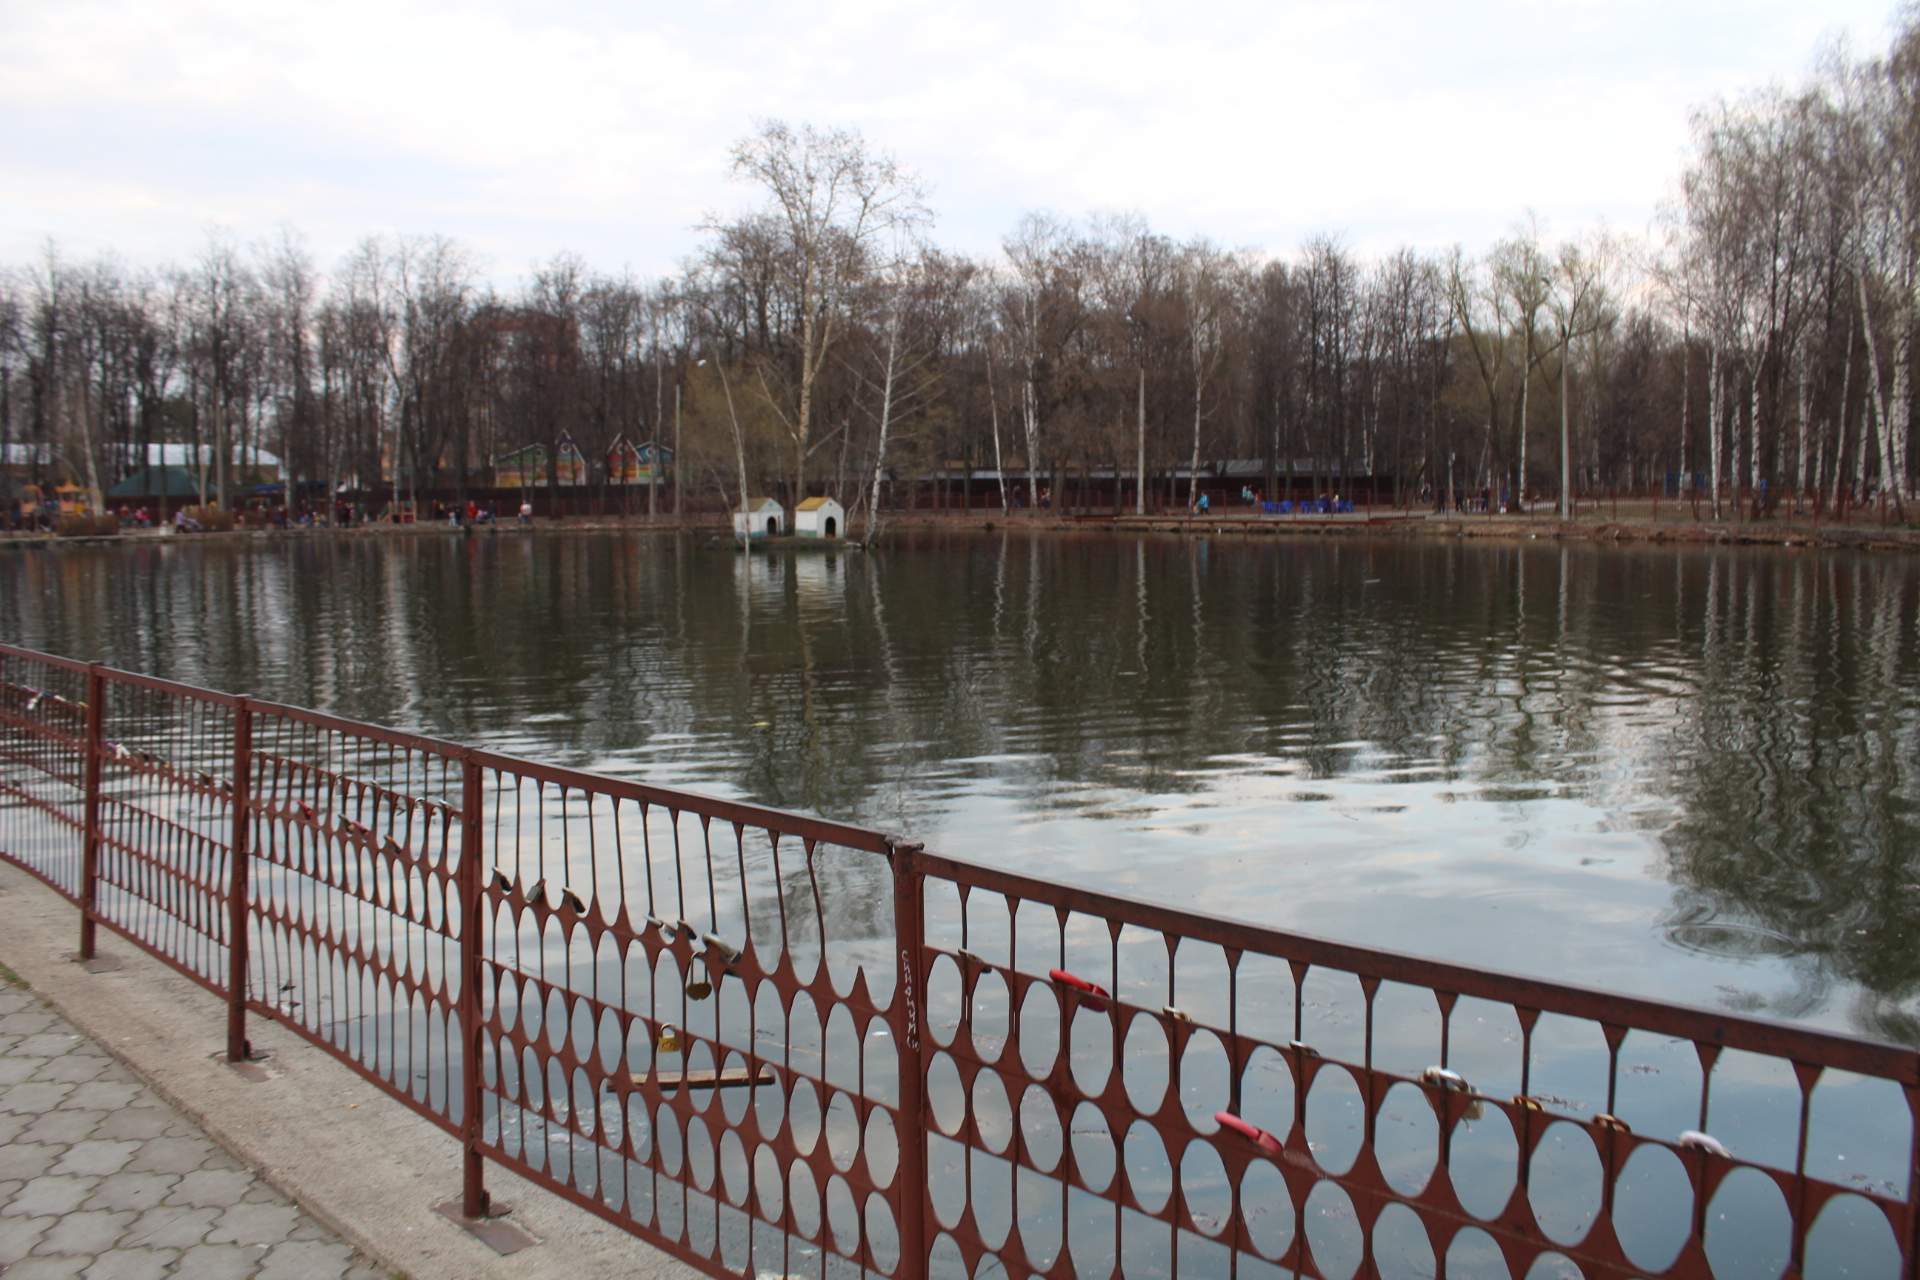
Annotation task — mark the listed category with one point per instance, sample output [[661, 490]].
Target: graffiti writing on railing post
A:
[[239, 886], [910, 941], [473, 1193], [90, 854]]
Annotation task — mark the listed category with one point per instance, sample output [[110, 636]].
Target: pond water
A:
[[1683, 773]]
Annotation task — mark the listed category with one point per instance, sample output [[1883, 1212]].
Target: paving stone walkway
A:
[[101, 1179]]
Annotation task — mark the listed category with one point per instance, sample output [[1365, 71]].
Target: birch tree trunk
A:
[[816, 333], [1193, 467], [1030, 410], [886, 426], [1840, 419], [999, 464], [1862, 454], [1715, 403], [1686, 401], [1900, 420], [1879, 401], [1804, 410], [1526, 382]]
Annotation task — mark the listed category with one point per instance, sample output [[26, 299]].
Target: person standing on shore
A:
[[526, 514]]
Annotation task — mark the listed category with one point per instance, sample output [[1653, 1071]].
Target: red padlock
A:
[[1096, 996], [1251, 1132]]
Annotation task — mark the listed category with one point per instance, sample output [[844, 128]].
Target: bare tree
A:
[[1520, 270], [1581, 309], [1207, 295], [289, 284], [834, 206], [1481, 316], [225, 298]]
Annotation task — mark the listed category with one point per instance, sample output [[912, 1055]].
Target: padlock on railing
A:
[[1251, 1132], [1093, 996]]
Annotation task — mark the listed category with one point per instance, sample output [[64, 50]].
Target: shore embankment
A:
[[1863, 530], [1861, 533]]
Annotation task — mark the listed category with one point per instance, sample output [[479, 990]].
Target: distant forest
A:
[[1755, 351]]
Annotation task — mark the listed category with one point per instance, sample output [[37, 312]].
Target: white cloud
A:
[[599, 127]]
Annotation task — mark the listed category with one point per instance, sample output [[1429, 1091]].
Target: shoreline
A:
[[1867, 535], [1785, 533]]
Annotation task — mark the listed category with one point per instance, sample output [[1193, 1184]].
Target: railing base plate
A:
[[494, 1231]]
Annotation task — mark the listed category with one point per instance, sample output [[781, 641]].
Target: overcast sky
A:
[[601, 127]]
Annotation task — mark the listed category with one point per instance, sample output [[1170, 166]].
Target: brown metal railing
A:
[[778, 1046]]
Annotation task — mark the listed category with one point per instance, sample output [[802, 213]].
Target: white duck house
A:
[[819, 518], [759, 518]]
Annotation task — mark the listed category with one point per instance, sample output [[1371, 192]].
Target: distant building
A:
[[570, 468], [242, 457], [819, 518], [759, 518], [157, 482], [42, 461], [524, 468], [623, 461], [629, 463]]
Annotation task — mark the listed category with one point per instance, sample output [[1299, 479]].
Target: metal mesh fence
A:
[[778, 1046]]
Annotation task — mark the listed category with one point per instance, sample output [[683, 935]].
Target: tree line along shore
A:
[[1750, 356]]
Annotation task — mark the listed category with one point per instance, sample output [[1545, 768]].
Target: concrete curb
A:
[[359, 1162]]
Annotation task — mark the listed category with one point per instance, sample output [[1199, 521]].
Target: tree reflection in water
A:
[[1687, 772]]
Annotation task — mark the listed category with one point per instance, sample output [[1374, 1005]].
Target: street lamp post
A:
[[1566, 433], [1140, 455], [739, 442]]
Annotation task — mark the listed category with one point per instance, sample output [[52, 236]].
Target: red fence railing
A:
[[778, 1046]]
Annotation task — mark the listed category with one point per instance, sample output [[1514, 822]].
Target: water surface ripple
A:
[[1682, 773]]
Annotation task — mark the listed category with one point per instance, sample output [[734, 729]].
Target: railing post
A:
[[908, 1017], [239, 907], [90, 849], [474, 1198], [1913, 1165]]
